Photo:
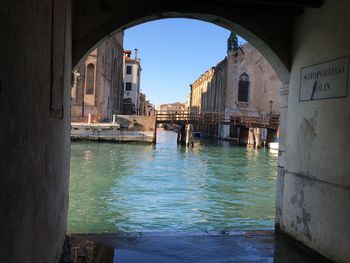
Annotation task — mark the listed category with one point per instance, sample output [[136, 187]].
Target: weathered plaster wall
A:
[[34, 141], [314, 179]]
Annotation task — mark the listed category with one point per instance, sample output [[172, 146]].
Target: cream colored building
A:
[[176, 107], [132, 82], [97, 87], [243, 84]]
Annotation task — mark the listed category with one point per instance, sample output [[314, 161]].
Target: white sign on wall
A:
[[325, 81]]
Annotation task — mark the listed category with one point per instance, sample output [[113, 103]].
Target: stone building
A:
[[150, 109], [142, 104], [146, 108], [97, 83], [132, 80], [243, 84]]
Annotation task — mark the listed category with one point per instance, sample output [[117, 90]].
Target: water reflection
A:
[[130, 187]]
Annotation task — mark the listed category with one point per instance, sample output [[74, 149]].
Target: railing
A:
[[266, 120], [182, 116]]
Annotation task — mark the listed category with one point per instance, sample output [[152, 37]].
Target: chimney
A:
[[127, 53], [135, 53]]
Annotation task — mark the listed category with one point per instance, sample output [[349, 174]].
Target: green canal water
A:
[[130, 187]]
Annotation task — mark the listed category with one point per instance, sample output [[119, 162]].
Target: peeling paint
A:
[[298, 219], [303, 217], [294, 199], [306, 219], [307, 128]]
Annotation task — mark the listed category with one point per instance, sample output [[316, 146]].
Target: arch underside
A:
[[266, 26]]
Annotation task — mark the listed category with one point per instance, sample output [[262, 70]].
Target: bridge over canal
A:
[[270, 121], [211, 123]]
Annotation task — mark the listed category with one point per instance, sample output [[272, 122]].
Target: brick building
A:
[[97, 86]]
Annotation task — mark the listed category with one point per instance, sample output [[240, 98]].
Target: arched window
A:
[[90, 79], [243, 88]]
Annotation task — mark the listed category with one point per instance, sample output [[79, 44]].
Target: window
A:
[[90, 79], [128, 70], [128, 86], [243, 88]]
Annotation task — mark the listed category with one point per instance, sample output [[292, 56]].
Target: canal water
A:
[[132, 187]]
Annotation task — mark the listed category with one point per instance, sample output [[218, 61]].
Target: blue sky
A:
[[174, 53]]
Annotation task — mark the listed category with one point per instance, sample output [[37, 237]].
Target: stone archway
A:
[[266, 25]]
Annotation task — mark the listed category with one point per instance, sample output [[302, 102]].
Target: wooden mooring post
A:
[[185, 135]]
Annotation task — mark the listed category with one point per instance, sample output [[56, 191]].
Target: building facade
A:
[[176, 107], [150, 109], [243, 84], [97, 82], [132, 81], [146, 108], [142, 104]]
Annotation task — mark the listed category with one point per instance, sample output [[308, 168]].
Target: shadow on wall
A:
[[136, 123]]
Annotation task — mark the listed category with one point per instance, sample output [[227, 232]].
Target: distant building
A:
[[243, 84], [97, 82], [142, 104], [132, 77], [150, 109], [146, 108], [176, 107]]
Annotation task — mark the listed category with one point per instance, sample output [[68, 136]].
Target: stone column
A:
[[181, 135], [257, 134], [284, 91]]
